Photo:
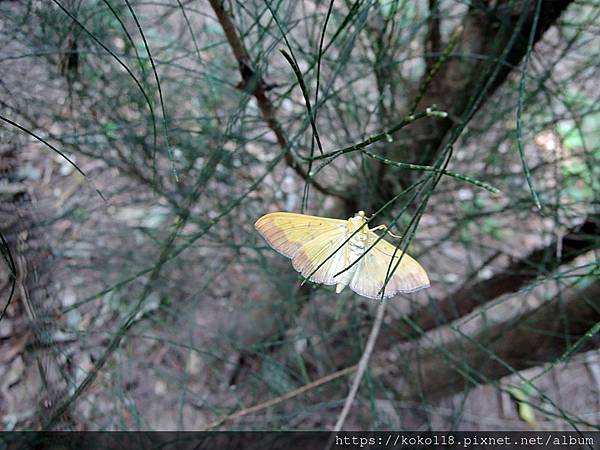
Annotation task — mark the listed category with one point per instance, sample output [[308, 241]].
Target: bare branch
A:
[[362, 366], [282, 398], [530, 340], [433, 40], [469, 296], [255, 85]]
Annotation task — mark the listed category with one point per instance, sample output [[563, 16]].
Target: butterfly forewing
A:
[[287, 232], [321, 258]]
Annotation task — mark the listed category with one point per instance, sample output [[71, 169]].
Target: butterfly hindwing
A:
[[410, 276], [372, 269]]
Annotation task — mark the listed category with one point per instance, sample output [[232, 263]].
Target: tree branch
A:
[[362, 366], [532, 339], [253, 83], [469, 296], [433, 40]]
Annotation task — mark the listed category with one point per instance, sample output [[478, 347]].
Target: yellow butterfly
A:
[[324, 250]]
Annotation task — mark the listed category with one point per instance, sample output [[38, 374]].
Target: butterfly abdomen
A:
[[353, 251]]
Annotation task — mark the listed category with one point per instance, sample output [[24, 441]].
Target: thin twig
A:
[[519, 127], [454, 38], [362, 366], [282, 398]]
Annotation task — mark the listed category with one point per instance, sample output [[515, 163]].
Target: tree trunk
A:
[[497, 32]]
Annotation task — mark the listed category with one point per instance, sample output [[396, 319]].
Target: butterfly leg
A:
[[386, 229]]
